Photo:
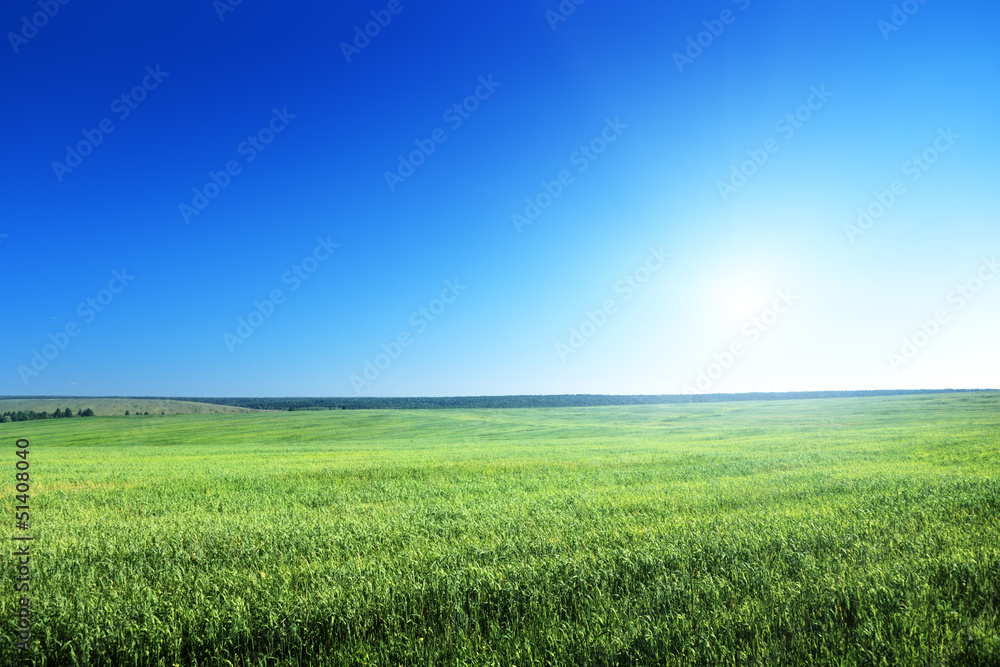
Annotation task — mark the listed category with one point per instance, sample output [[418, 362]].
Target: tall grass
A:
[[834, 532]]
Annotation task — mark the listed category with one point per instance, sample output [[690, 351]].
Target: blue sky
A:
[[630, 197]]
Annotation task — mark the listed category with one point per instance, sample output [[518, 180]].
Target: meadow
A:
[[858, 531], [116, 406]]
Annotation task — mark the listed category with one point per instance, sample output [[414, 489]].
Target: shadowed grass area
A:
[[831, 532]]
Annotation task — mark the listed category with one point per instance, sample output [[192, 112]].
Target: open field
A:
[[109, 407], [825, 532]]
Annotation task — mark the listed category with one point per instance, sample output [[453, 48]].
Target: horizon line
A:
[[358, 398]]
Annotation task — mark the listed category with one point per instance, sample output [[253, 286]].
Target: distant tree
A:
[[126, 413], [67, 413], [5, 419], [88, 413], [291, 408]]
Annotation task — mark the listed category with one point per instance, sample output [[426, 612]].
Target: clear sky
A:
[[498, 198]]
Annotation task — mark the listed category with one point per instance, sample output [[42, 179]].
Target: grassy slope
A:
[[832, 532], [107, 407]]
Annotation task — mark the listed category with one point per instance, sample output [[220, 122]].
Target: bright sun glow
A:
[[742, 297]]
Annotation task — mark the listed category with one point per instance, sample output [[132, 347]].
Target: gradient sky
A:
[[682, 116]]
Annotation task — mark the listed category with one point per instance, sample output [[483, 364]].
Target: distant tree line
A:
[[501, 402], [527, 401], [30, 415]]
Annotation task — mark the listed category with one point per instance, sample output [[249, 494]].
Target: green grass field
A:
[[826, 532], [107, 407]]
